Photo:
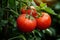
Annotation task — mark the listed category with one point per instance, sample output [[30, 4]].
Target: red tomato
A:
[[28, 11], [44, 21], [23, 11], [25, 24]]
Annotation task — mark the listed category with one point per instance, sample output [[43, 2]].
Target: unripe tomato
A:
[[44, 21], [25, 24]]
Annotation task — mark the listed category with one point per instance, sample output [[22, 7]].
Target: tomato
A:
[[23, 11], [25, 24], [44, 21], [49, 2], [30, 10]]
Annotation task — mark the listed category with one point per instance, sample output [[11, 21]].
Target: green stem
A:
[[24, 2], [34, 34], [20, 36], [20, 5], [14, 12]]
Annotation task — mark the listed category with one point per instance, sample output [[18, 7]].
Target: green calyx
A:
[[29, 17]]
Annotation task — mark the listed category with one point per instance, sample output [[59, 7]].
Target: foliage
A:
[[10, 10]]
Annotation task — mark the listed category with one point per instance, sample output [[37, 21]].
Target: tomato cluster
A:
[[30, 10], [28, 21]]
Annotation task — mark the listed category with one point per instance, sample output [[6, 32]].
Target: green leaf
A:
[[4, 3], [44, 7], [33, 3], [38, 33], [14, 12], [50, 31], [1, 13], [37, 8], [58, 39], [0, 29], [19, 37], [49, 10], [37, 38], [53, 31], [3, 22], [25, 0], [12, 4], [17, 2], [58, 16], [30, 0], [22, 36], [57, 6], [12, 20]]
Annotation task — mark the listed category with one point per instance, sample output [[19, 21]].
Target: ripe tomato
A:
[[23, 11], [44, 21], [25, 24], [30, 10]]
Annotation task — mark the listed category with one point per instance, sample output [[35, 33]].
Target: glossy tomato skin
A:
[[44, 21], [24, 24]]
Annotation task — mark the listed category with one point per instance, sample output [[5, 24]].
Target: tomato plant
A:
[[16, 20], [24, 24], [44, 21]]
